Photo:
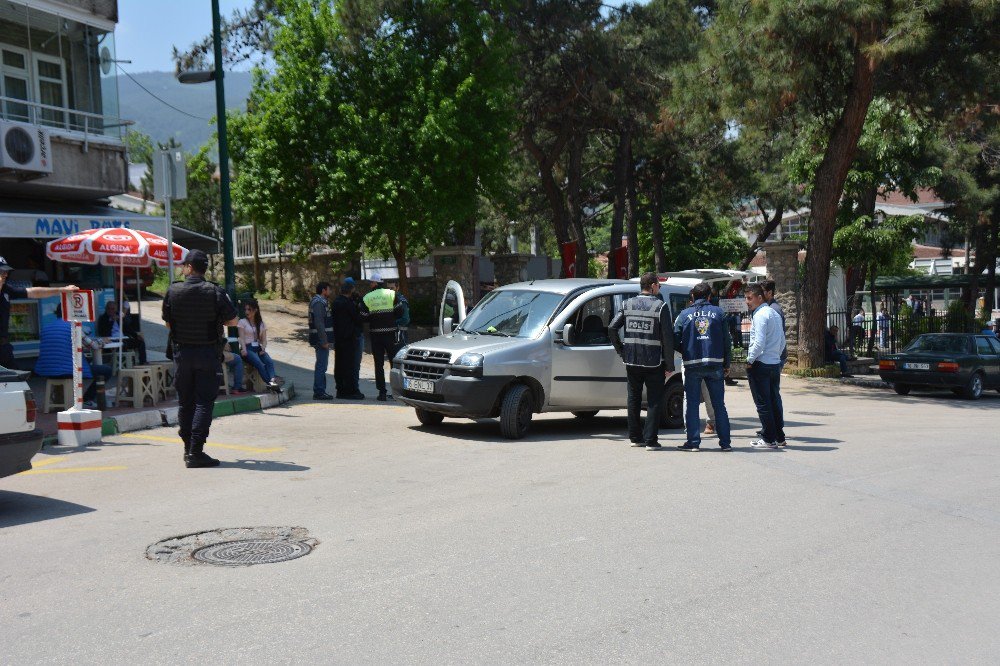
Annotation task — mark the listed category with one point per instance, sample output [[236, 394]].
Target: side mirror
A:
[[567, 337], [446, 326]]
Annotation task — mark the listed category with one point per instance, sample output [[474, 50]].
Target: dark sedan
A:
[[967, 364]]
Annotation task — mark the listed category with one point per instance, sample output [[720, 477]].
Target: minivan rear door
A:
[[587, 373], [452, 307]]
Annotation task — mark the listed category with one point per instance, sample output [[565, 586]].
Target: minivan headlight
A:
[[401, 353], [468, 365]]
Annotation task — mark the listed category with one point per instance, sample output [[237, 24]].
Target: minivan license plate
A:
[[419, 385], [917, 366]]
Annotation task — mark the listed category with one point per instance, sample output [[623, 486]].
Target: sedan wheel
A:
[[901, 389], [974, 389]]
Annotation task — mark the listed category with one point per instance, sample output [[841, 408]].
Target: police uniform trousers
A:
[[655, 384], [344, 376], [384, 347], [197, 383]]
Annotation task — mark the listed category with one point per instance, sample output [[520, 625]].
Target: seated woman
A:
[[55, 359], [253, 343]]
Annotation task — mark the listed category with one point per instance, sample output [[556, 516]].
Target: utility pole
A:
[[220, 110]]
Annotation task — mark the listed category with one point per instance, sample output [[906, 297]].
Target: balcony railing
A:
[[61, 119], [267, 246]]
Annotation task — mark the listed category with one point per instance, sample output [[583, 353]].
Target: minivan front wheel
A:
[[429, 419], [515, 412], [672, 413]]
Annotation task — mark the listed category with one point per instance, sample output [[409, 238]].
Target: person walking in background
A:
[[882, 325], [320, 338], [253, 344], [706, 347], [381, 308], [857, 332], [346, 323], [767, 339], [641, 335], [195, 311]]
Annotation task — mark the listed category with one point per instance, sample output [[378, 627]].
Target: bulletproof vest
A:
[[327, 322], [380, 303], [642, 334], [194, 313]]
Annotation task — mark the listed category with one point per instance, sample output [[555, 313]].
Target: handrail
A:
[[34, 113]]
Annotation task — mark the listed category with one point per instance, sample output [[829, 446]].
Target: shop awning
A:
[[43, 220]]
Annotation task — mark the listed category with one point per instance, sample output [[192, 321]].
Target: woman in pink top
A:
[[253, 341]]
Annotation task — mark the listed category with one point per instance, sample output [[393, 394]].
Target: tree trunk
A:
[[656, 225], [574, 182], [623, 157], [828, 186], [991, 264], [631, 220], [550, 187], [979, 232], [398, 250], [765, 233]]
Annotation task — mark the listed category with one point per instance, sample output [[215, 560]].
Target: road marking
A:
[[47, 461], [217, 445], [69, 470]]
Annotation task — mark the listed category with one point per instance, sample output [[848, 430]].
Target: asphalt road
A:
[[874, 538]]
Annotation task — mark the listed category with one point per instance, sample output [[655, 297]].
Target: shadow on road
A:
[[264, 465], [22, 509]]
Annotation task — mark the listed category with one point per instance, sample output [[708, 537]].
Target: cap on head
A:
[[376, 278], [4, 266], [348, 280], [197, 259]]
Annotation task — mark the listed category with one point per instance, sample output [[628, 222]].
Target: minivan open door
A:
[[452, 308]]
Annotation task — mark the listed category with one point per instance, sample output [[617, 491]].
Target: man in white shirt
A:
[[767, 341]]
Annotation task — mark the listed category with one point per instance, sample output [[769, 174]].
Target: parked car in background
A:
[[966, 363], [20, 440]]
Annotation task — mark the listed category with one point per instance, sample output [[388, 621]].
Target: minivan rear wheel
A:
[[672, 413], [515, 412], [427, 418]]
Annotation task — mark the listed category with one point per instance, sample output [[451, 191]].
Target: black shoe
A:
[[731, 382], [356, 396], [655, 446], [200, 460], [322, 396], [638, 444], [688, 447], [760, 433], [726, 448], [382, 396]]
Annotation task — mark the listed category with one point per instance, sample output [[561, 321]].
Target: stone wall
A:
[[783, 268], [510, 268], [294, 279], [457, 263]]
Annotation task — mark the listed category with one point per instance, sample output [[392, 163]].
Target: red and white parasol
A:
[[115, 247]]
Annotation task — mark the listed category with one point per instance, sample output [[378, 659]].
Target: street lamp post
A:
[[220, 111]]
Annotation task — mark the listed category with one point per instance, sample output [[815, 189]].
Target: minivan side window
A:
[[591, 322]]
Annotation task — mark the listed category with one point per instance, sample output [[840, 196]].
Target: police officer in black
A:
[[195, 311], [642, 336]]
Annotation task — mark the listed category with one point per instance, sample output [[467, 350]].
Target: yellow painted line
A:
[[70, 470], [217, 445], [47, 461]]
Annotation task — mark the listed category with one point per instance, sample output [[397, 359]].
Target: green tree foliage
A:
[[380, 125], [715, 243], [829, 59], [202, 209]]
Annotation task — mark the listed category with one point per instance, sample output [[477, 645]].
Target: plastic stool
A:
[[142, 382], [65, 400]]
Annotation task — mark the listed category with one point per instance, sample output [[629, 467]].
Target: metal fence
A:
[[889, 332]]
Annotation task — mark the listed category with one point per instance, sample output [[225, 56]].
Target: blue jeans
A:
[[714, 379], [319, 372], [841, 358], [765, 387], [262, 362], [236, 367], [96, 371]]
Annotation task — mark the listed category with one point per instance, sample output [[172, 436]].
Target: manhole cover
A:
[[235, 546], [253, 551]]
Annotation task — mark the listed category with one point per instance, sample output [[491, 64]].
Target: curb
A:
[[155, 418]]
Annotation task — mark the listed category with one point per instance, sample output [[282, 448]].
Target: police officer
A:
[[195, 311], [642, 336], [9, 292], [706, 348], [381, 308], [321, 338]]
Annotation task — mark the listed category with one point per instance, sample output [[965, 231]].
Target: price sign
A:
[[78, 305]]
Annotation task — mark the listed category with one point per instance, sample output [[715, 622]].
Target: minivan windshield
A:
[[511, 313]]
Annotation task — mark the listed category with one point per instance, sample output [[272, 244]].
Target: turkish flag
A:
[[569, 258]]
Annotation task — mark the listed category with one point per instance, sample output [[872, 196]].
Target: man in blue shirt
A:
[[767, 341], [706, 347]]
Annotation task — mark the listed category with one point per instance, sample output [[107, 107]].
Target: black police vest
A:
[[327, 322], [194, 313], [642, 335]]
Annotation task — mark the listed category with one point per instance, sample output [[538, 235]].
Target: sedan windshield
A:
[[511, 313], [951, 344]]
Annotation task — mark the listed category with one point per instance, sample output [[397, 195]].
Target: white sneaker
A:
[[782, 443], [761, 444]]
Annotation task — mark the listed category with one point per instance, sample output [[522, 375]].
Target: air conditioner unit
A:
[[25, 147]]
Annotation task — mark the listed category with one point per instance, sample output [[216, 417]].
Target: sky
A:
[[148, 29]]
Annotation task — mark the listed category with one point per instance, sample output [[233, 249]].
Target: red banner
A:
[[621, 262], [569, 258]]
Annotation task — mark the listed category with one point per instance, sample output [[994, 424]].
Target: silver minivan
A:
[[532, 347]]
